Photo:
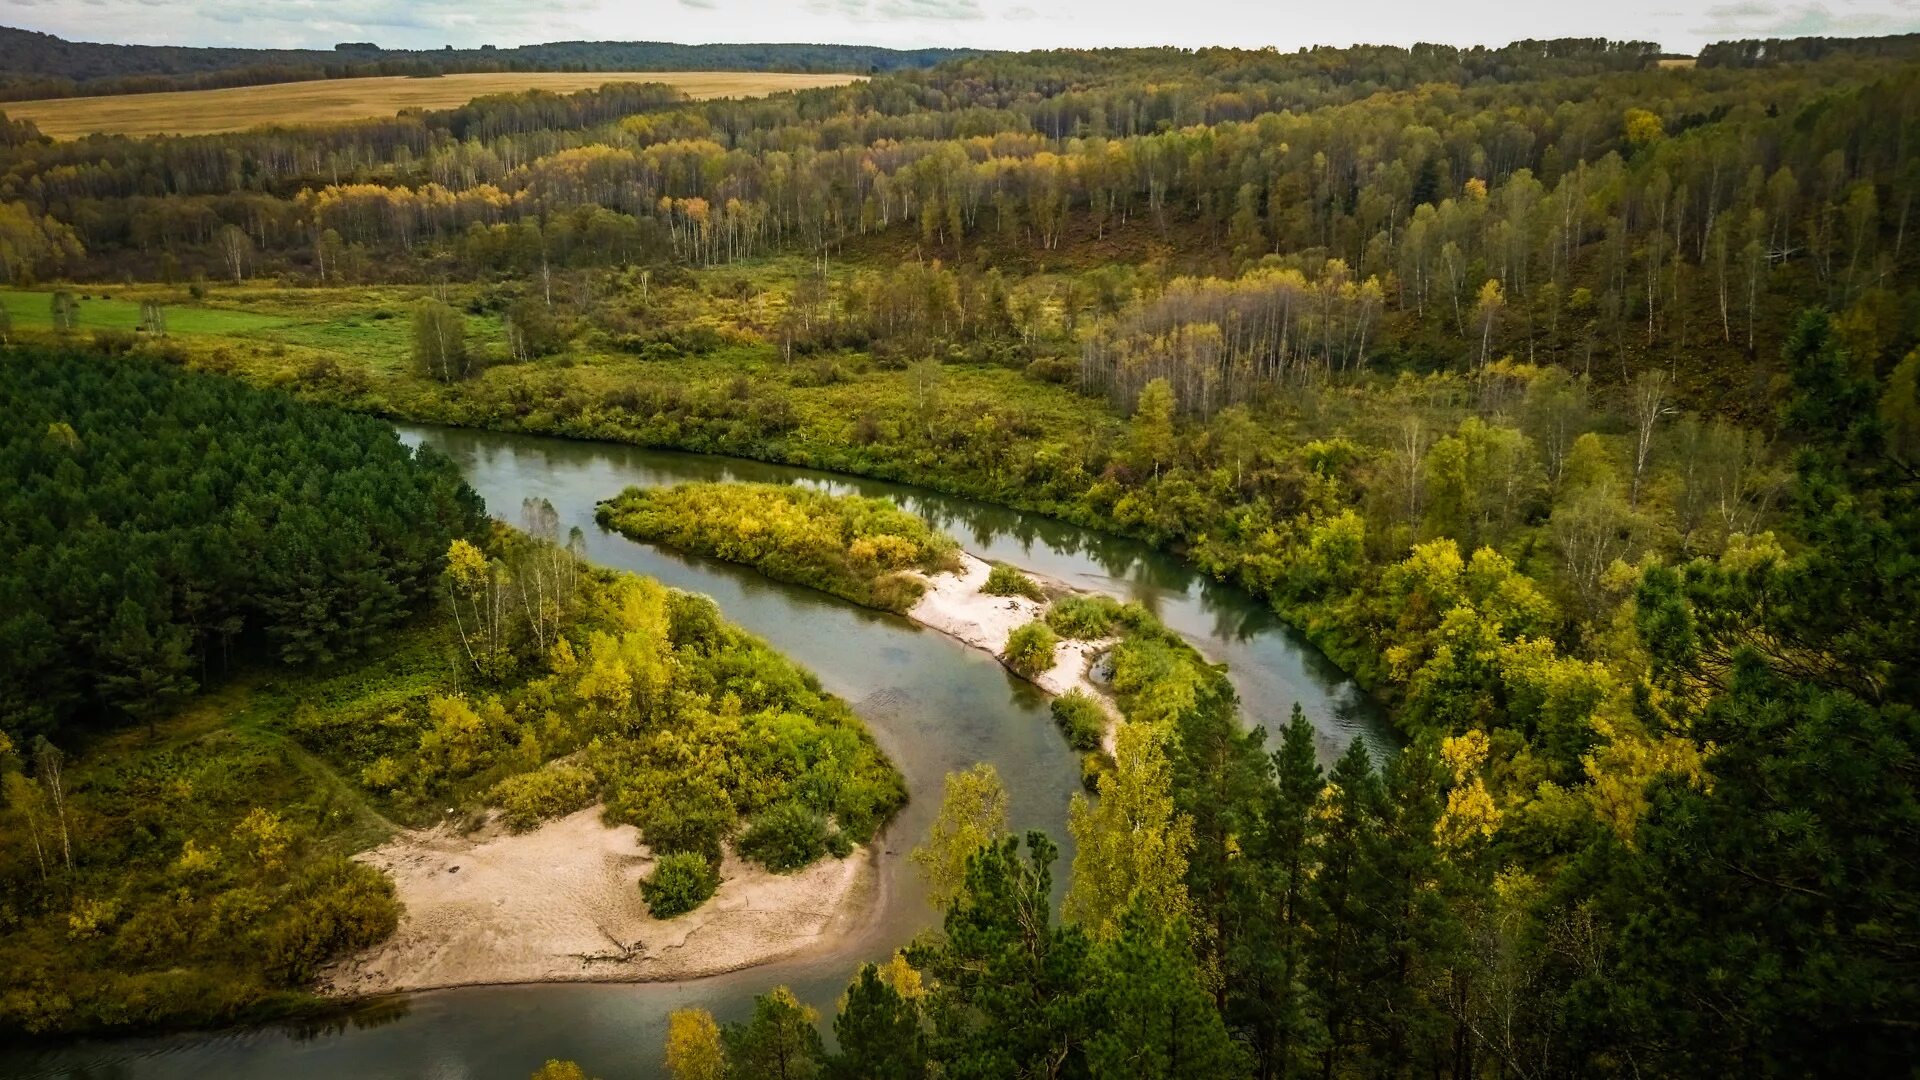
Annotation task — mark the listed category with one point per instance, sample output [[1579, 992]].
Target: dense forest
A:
[[156, 524], [1566, 398], [35, 65]]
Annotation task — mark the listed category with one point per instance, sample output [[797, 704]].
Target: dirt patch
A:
[[562, 904]]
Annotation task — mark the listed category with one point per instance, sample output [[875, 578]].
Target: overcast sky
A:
[[1680, 25]]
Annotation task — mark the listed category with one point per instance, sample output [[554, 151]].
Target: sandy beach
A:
[[562, 904]]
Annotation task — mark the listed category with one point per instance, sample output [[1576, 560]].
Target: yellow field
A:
[[205, 112]]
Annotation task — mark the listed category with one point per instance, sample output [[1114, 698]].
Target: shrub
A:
[[681, 881], [532, 797], [1084, 617], [1004, 580], [1081, 719], [1093, 765], [1030, 648], [785, 837]]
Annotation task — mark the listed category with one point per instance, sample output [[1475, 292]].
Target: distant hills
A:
[[36, 65]]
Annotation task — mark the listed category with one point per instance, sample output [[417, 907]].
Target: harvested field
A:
[[207, 112]]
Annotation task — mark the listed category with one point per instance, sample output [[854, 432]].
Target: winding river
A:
[[934, 704]]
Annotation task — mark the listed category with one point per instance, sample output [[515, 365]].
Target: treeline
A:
[[40, 65], [1772, 52], [157, 522]]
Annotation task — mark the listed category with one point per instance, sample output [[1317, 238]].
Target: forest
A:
[[1565, 397]]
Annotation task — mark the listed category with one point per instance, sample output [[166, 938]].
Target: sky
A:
[[1680, 25]]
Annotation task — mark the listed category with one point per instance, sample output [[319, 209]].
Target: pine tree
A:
[[1345, 893], [1155, 1018], [778, 1043], [1270, 998], [879, 1033], [1013, 991]]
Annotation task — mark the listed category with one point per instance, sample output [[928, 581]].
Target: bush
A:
[[1030, 648], [681, 881], [1084, 617], [1094, 764], [785, 838], [1004, 580], [530, 798], [1081, 719]]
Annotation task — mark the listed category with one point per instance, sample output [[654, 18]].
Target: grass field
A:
[[206, 112], [34, 311]]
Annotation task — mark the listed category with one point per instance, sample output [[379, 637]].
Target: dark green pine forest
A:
[[1565, 394]]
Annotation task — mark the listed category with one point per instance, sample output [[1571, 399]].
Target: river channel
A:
[[934, 704]]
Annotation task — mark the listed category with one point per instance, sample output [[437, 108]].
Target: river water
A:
[[934, 705]]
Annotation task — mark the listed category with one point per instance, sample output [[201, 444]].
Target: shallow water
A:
[[935, 706]]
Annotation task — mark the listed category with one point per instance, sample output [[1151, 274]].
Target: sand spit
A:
[[954, 605], [562, 904]]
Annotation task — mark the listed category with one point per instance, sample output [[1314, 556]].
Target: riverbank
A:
[[562, 903]]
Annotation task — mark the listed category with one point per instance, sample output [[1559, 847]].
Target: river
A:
[[934, 704]]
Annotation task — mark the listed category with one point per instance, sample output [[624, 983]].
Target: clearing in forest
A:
[[208, 112]]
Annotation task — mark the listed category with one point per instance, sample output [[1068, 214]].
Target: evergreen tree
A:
[[1155, 1019], [878, 1031], [778, 1043], [1346, 896], [1013, 992], [1267, 993]]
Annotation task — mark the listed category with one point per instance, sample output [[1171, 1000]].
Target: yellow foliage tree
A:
[[973, 813], [693, 1046], [1132, 843]]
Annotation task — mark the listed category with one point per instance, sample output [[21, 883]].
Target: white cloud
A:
[[1678, 24]]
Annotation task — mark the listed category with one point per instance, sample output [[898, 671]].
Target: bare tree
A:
[[237, 248], [1651, 393], [47, 760]]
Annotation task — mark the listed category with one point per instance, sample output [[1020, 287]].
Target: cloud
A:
[[934, 10], [899, 10], [1013, 24], [1751, 18]]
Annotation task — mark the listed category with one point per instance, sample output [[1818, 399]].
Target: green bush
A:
[[1030, 648], [1004, 580], [1081, 719], [530, 798], [681, 881], [1085, 617], [785, 837]]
